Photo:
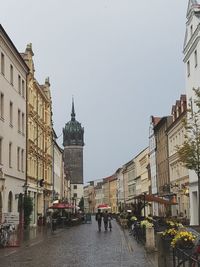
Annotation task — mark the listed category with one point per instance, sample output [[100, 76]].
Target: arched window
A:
[[10, 201]]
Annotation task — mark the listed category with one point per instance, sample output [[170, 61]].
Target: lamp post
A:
[[144, 204]]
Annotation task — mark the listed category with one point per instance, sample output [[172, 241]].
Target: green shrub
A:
[[28, 208]]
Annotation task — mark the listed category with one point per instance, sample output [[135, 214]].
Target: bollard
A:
[[164, 259], [150, 239]]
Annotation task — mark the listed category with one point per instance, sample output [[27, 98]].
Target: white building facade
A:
[[13, 72], [192, 66]]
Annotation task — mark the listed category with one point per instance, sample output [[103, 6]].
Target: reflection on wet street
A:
[[78, 246]]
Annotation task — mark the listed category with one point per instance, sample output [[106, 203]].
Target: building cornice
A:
[[191, 40], [13, 48]]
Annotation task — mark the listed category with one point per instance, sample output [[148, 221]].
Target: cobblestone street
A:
[[78, 246]]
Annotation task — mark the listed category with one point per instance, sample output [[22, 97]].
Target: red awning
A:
[[152, 198], [103, 206], [62, 206]]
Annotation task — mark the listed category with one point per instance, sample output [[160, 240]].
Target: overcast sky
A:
[[120, 59]]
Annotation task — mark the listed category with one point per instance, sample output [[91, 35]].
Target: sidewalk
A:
[[29, 238], [152, 257]]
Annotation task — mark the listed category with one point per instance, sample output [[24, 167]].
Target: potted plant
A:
[[183, 240], [168, 235], [146, 224], [173, 224], [133, 218]]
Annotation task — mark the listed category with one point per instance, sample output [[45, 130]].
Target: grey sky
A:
[[120, 59]]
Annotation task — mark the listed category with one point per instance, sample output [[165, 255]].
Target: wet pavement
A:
[[78, 246]]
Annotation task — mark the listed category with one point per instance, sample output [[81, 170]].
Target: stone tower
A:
[[73, 142]]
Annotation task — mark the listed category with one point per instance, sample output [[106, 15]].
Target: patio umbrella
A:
[[103, 206], [62, 206]]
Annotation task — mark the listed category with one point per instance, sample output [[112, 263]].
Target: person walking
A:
[[109, 221], [99, 219], [105, 220]]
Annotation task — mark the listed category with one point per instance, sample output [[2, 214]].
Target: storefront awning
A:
[[152, 198], [62, 206]]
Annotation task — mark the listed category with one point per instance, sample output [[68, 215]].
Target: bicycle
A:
[[5, 232]]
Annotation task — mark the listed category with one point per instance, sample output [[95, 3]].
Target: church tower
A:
[[73, 142]]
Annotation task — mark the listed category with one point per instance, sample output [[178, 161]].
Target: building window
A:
[[11, 114], [10, 201], [18, 159], [19, 121], [75, 186], [22, 160], [2, 106], [195, 58], [2, 64], [23, 88], [11, 74], [1, 148], [19, 84], [10, 155], [191, 30], [188, 68], [23, 124], [75, 195]]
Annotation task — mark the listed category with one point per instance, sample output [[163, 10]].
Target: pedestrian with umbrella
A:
[[99, 219]]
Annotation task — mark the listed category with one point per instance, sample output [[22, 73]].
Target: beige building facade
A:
[[142, 178], [179, 175], [39, 140], [98, 194], [113, 194]]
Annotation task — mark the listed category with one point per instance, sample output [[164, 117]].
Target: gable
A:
[[191, 26], [191, 5]]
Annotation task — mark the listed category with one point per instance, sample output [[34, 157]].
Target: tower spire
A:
[[73, 115]]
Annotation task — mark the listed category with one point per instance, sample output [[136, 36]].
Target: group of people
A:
[[106, 217]]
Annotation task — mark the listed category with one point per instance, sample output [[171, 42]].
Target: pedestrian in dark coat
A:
[[99, 219], [105, 220]]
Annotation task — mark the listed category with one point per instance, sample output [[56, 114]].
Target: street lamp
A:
[[25, 188], [144, 204]]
